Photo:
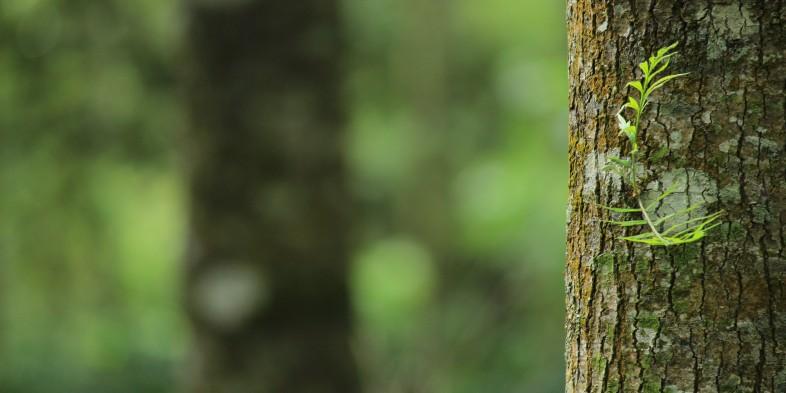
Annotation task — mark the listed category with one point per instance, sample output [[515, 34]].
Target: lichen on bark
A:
[[705, 317]]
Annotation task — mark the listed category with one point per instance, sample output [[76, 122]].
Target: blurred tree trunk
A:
[[708, 317], [266, 276]]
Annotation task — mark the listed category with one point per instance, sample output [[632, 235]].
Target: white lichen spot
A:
[[664, 343], [746, 325], [738, 20], [646, 336], [691, 188], [675, 138], [728, 146], [229, 293], [733, 119], [764, 144], [593, 106], [732, 380], [673, 389], [590, 176], [594, 173], [706, 117], [603, 26]]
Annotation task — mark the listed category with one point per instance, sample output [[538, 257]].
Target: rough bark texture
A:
[[706, 317], [266, 288]]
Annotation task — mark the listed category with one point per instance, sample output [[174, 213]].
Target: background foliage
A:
[[457, 139]]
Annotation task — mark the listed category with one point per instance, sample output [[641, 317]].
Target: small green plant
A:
[[672, 229]]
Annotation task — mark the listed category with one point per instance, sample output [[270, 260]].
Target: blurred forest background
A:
[[457, 153]]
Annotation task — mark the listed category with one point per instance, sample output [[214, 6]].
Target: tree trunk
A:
[[708, 316], [266, 277]]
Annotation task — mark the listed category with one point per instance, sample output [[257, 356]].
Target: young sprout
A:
[[672, 229]]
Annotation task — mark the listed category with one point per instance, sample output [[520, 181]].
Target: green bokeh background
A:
[[457, 151]]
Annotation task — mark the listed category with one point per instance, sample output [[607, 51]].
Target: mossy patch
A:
[[648, 320]]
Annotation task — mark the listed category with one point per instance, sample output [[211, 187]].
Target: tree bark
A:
[[704, 317], [266, 286]]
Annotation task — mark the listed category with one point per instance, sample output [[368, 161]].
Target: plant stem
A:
[[650, 223], [637, 124]]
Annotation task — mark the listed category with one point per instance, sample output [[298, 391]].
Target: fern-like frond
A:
[[679, 232]]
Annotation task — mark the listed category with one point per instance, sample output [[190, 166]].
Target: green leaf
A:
[[633, 104], [662, 81], [645, 67], [644, 235], [706, 220], [630, 132], [672, 189], [662, 68], [622, 123], [646, 238], [632, 223], [610, 167], [711, 227], [688, 210], [620, 209], [663, 219], [636, 85], [663, 51]]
